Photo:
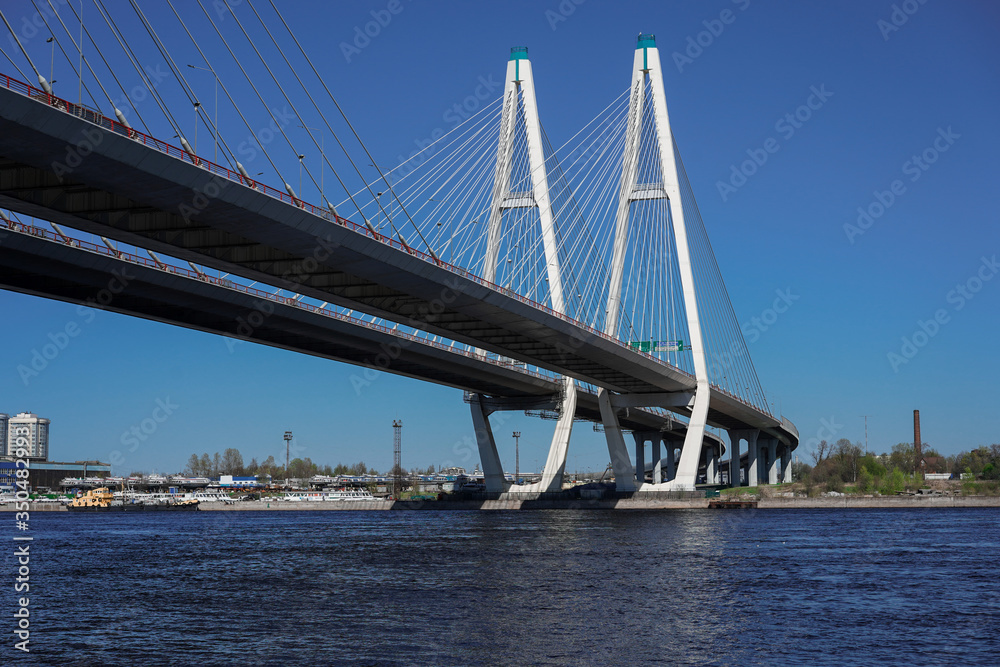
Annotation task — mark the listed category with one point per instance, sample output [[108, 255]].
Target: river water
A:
[[736, 587]]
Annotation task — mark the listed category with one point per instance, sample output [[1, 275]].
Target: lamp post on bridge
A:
[[216, 131], [301, 157], [322, 164], [52, 61], [196, 105]]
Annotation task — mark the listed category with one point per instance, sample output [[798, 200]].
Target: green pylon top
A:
[[646, 41]]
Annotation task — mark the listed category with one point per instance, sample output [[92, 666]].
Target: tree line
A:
[[844, 462], [230, 462]]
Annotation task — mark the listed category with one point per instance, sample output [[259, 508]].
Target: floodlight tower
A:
[[517, 456], [288, 439], [397, 457]]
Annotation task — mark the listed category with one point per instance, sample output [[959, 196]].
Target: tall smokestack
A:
[[917, 449]]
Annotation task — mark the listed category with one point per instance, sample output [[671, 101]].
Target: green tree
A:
[[847, 455], [192, 467], [894, 483], [232, 462], [866, 481], [204, 466], [269, 468], [302, 468], [873, 466], [903, 457]]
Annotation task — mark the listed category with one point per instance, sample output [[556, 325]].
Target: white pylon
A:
[[519, 93], [646, 67]]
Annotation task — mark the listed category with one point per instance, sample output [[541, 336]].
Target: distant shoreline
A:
[[840, 502]]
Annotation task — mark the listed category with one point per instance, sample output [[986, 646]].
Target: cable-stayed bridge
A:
[[596, 269]]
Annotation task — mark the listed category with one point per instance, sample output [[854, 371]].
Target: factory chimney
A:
[[918, 455]]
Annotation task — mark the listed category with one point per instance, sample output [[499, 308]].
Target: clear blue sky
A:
[[894, 90]]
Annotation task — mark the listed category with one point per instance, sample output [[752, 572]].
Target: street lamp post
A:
[[301, 157], [196, 105], [52, 61], [517, 456], [209, 69], [322, 156]]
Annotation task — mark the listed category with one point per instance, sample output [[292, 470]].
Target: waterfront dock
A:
[[512, 503]]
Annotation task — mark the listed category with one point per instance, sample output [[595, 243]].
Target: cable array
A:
[[439, 201]]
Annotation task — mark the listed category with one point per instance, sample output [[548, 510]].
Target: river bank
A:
[[841, 502]]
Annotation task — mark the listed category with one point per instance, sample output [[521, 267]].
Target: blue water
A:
[[748, 587]]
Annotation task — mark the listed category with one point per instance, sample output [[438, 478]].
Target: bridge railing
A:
[[95, 117]]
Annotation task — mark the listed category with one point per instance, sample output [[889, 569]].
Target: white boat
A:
[[211, 497], [334, 495]]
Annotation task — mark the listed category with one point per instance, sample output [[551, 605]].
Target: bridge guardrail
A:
[[95, 117]]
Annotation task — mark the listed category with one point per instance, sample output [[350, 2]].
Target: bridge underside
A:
[[44, 268]]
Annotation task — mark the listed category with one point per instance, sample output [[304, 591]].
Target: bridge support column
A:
[[734, 458], [640, 459], [671, 457], [772, 461], [753, 454], [654, 456], [736, 464], [555, 464], [786, 465], [488, 456], [711, 458], [620, 464]]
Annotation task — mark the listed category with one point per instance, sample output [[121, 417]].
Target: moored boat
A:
[[103, 500]]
